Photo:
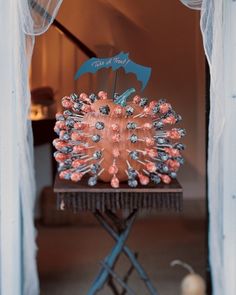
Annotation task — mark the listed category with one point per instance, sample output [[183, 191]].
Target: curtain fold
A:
[[35, 17], [212, 31], [10, 227], [19, 23], [193, 4], [38, 15]]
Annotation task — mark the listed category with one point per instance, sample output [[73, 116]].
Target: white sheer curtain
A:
[[218, 25], [38, 15], [212, 30], [19, 22], [193, 4]]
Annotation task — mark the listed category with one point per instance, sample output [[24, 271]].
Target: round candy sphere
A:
[[118, 136]]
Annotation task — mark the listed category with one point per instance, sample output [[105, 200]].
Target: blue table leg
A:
[[111, 258], [118, 279], [143, 275]]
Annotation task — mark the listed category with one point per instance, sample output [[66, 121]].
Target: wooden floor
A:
[[68, 257]]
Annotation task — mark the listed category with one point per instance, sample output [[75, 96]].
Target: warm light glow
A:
[[38, 112]]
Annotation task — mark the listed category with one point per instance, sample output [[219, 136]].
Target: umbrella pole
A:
[[115, 83]]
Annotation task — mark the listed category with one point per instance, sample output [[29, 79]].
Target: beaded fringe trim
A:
[[116, 201]]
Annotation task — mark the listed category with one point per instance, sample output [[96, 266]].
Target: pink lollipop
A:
[[79, 149], [118, 111], [77, 137], [149, 141], [67, 104], [172, 152], [169, 120], [164, 108], [76, 163], [147, 111], [173, 164], [60, 124], [165, 178], [116, 137], [102, 95], [144, 180], [151, 167], [65, 98], [115, 182], [55, 141], [58, 116], [76, 176], [60, 157], [115, 152], [173, 134], [60, 144], [147, 126], [152, 104], [62, 132], [113, 169], [63, 174], [86, 108], [151, 153], [84, 97], [136, 99], [115, 127]]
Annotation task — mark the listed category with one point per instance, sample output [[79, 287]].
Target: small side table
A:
[[106, 203]]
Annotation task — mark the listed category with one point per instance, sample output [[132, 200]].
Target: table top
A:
[[81, 197], [67, 186]]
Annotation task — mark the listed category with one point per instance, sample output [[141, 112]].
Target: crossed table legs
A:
[[119, 228]]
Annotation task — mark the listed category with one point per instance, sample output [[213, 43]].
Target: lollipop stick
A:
[[115, 83]]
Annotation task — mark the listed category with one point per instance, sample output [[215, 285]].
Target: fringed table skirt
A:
[[81, 197]]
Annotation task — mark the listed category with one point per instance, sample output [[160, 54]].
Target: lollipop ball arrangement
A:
[[117, 139]]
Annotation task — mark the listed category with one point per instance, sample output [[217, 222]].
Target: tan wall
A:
[[162, 34]]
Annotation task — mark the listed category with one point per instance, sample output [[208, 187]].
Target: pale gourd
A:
[[192, 283]]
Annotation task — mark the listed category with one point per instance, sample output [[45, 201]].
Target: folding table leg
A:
[[125, 279], [113, 286], [112, 257], [128, 274], [143, 275], [118, 279]]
